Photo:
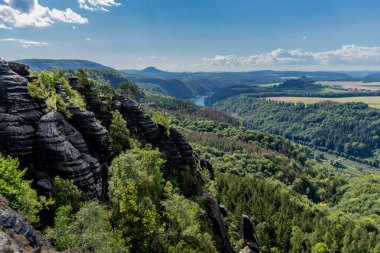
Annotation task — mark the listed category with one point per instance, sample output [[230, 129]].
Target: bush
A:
[[17, 190], [89, 228], [119, 133], [65, 192], [135, 187], [158, 117]]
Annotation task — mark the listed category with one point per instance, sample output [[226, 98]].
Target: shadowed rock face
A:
[[248, 234], [62, 151], [46, 142], [176, 149], [213, 212], [19, 116]]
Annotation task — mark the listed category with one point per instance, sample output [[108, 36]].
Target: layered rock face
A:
[[172, 144], [46, 142], [15, 224]]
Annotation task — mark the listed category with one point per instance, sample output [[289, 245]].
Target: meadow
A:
[[373, 102], [352, 85]]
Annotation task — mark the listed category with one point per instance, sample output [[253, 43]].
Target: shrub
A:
[[119, 133], [17, 190]]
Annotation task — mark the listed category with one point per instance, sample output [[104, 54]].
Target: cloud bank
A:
[[96, 5], [346, 55], [26, 43], [23, 13]]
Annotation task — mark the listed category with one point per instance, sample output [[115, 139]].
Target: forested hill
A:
[[300, 204], [49, 64], [351, 130]]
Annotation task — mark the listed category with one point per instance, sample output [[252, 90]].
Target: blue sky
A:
[[196, 34]]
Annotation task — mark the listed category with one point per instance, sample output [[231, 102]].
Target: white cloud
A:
[[22, 13], [346, 55], [25, 43], [3, 26], [97, 5], [152, 57]]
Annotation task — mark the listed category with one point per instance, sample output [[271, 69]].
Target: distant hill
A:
[[300, 83], [49, 64]]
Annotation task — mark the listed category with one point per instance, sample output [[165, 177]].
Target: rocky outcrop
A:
[[62, 151], [172, 144], [12, 222], [92, 102], [214, 215], [95, 135], [22, 70], [46, 142], [248, 234]]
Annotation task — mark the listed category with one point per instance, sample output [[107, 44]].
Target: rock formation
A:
[[248, 234], [11, 220], [46, 142], [213, 212]]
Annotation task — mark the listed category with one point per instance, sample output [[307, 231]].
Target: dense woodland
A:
[[351, 129], [298, 203]]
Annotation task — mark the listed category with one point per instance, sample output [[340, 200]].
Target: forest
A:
[[298, 202], [351, 130]]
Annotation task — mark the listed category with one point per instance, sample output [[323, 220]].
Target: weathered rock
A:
[[11, 220], [213, 213], [59, 148], [248, 234], [19, 116], [22, 70], [223, 210], [92, 102], [46, 142], [139, 123]]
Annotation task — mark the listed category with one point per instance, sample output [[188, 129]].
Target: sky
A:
[[196, 35]]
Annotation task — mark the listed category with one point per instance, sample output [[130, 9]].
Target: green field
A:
[[373, 102]]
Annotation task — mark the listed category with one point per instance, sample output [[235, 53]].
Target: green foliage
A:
[[292, 223], [17, 190], [46, 80], [84, 81], [44, 88], [73, 95], [36, 91], [320, 248], [135, 188], [350, 130], [105, 93], [90, 229], [184, 226], [128, 89], [159, 118], [119, 133], [66, 193]]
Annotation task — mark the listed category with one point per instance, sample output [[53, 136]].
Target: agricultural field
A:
[[373, 102], [352, 85]]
